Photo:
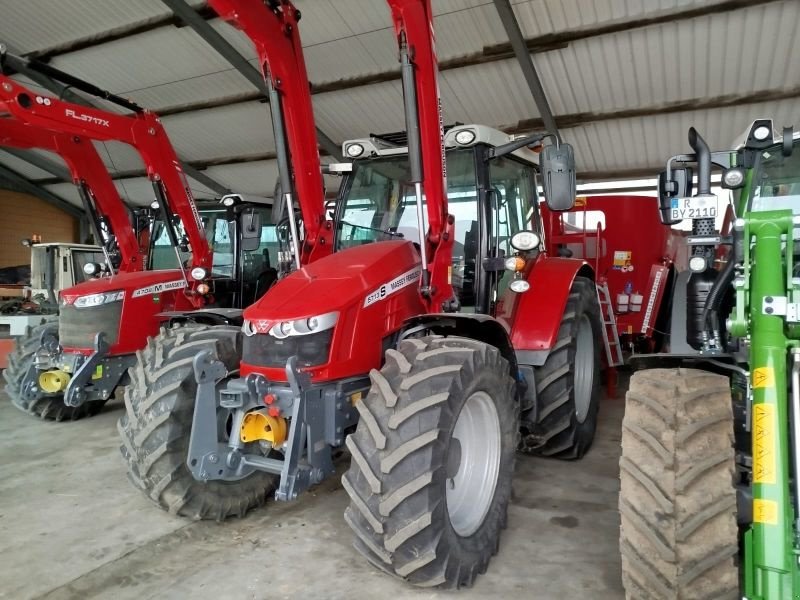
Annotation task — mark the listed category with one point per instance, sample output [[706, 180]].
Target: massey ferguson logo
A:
[[158, 288], [68, 300], [87, 118]]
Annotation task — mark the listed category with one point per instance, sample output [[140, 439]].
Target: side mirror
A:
[[557, 164], [679, 186], [250, 223]]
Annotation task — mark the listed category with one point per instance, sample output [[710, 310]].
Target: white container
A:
[[636, 302], [622, 303]]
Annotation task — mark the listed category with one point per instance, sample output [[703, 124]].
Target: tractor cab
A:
[[492, 199]]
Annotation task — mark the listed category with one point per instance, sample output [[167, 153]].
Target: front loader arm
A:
[[142, 130], [413, 24], [275, 34], [88, 172]]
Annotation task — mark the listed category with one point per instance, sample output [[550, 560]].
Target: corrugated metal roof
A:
[[24, 168], [701, 59]]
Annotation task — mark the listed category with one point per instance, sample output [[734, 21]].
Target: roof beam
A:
[[20, 183], [40, 162], [523, 55], [568, 121], [239, 62]]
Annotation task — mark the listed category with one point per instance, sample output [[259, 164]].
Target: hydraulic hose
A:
[[714, 298]]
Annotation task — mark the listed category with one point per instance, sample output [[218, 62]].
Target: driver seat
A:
[[266, 278]]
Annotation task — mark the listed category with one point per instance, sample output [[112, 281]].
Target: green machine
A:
[[710, 493]]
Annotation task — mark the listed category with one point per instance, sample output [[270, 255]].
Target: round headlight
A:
[[519, 286], [761, 133], [90, 268], [733, 178], [154, 205], [465, 136], [355, 150], [285, 328], [199, 273], [312, 323], [228, 201], [697, 264], [525, 240]]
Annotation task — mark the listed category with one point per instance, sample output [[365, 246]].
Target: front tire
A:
[[564, 421], [677, 502], [432, 461], [155, 430], [50, 407]]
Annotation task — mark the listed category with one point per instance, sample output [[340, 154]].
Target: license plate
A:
[[697, 207]]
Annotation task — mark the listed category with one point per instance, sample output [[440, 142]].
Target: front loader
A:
[[207, 261], [710, 493], [436, 332]]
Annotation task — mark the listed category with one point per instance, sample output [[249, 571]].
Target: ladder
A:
[[610, 333]]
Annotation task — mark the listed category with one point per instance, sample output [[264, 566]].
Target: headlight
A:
[[519, 286], [305, 326], [761, 133], [465, 136], [525, 240], [90, 268], [199, 273], [355, 150], [697, 264], [99, 299], [733, 178]]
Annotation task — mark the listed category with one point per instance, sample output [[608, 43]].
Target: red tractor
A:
[[436, 331], [207, 262]]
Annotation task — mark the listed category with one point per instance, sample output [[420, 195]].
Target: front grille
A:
[[78, 326], [264, 350]]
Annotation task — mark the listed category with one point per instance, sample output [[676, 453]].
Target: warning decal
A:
[[622, 261], [763, 443], [764, 377], [765, 511]]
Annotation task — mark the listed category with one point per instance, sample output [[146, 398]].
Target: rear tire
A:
[[568, 384], [677, 502], [51, 407], [155, 430], [412, 508]]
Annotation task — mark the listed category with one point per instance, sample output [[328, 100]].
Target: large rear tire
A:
[[677, 502], [51, 407], [155, 430], [563, 423], [432, 461]]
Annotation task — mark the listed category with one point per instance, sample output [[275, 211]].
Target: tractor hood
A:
[[137, 284], [337, 281]]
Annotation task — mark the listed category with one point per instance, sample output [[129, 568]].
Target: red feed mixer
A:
[[638, 259], [74, 366], [436, 331]]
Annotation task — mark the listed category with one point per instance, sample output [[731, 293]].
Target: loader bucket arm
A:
[[413, 24], [272, 27], [142, 130], [87, 171]]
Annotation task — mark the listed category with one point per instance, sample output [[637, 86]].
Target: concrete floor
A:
[[71, 526]]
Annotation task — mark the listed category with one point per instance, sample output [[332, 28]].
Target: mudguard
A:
[[534, 317]]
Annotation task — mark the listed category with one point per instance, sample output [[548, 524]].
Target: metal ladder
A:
[[610, 333]]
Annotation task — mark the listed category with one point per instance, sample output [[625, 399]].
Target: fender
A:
[[474, 326], [534, 317]]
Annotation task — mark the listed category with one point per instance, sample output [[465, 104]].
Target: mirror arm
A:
[[513, 145]]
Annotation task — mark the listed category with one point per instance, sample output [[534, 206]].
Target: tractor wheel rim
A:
[[584, 368], [470, 491]]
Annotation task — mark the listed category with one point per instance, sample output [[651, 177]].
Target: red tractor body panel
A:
[[145, 294], [533, 317], [374, 288]]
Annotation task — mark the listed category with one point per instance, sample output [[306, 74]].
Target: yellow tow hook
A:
[[259, 425], [54, 381]]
